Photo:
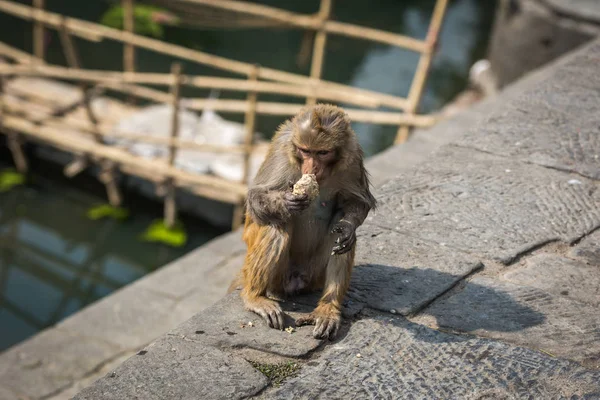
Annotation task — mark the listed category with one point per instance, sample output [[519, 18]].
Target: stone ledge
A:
[[455, 214]]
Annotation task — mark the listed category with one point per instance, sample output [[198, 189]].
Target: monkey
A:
[[295, 245]]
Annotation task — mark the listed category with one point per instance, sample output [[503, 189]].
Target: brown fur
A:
[[290, 252]]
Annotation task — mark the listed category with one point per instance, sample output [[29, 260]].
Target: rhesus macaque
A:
[[297, 244]]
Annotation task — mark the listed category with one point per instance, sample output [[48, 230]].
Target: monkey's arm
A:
[[354, 206], [266, 206], [355, 212], [274, 207]]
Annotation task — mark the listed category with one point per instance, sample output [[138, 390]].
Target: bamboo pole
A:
[[14, 144], [93, 31], [249, 125], [237, 106], [238, 85], [128, 25], [232, 191], [108, 168], [13, 139], [310, 22], [170, 201], [128, 48], [418, 83], [316, 67], [74, 63], [38, 31], [16, 54], [68, 47], [240, 106], [104, 131], [108, 178], [77, 166], [62, 111]]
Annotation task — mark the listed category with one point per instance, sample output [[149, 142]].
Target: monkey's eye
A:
[[303, 151], [323, 152]]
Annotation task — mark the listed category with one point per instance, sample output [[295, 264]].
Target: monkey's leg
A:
[[327, 316], [264, 268]]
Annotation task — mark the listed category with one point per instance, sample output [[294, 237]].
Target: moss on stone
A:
[[277, 373]]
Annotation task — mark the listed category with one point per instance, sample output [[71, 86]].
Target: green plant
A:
[[277, 373], [9, 179], [106, 210], [148, 20], [159, 232]]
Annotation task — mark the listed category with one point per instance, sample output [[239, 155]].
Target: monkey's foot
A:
[[326, 320], [269, 310]]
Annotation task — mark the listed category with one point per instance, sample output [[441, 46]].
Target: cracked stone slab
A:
[[173, 368], [50, 361], [484, 204], [402, 359], [226, 325], [524, 316], [560, 276], [588, 249], [556, 124], [192, 271], [401, 273], [130, 318]]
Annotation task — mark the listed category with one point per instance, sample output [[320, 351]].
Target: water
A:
[[54, 261]]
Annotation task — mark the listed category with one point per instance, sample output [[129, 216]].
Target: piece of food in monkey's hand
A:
[[308, 185]]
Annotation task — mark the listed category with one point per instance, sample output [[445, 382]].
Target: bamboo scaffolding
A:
[[240, 106], [263, 108], [219, 188], [93, 31], [274, 108], [72, 132], [238, 85], [170, 203], [104, 131], [316, 67], [418, 83], [310, 22]]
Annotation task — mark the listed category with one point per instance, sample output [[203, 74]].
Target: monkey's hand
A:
[[326, 320], [346, 239], [296, 203], [268, 309]]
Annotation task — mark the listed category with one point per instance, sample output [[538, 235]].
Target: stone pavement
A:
[[477, 277]]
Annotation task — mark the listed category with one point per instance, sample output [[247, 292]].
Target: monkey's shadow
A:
[[383, 288]]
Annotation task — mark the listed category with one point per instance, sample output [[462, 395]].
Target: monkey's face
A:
[[319, 140], [316, 161]]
